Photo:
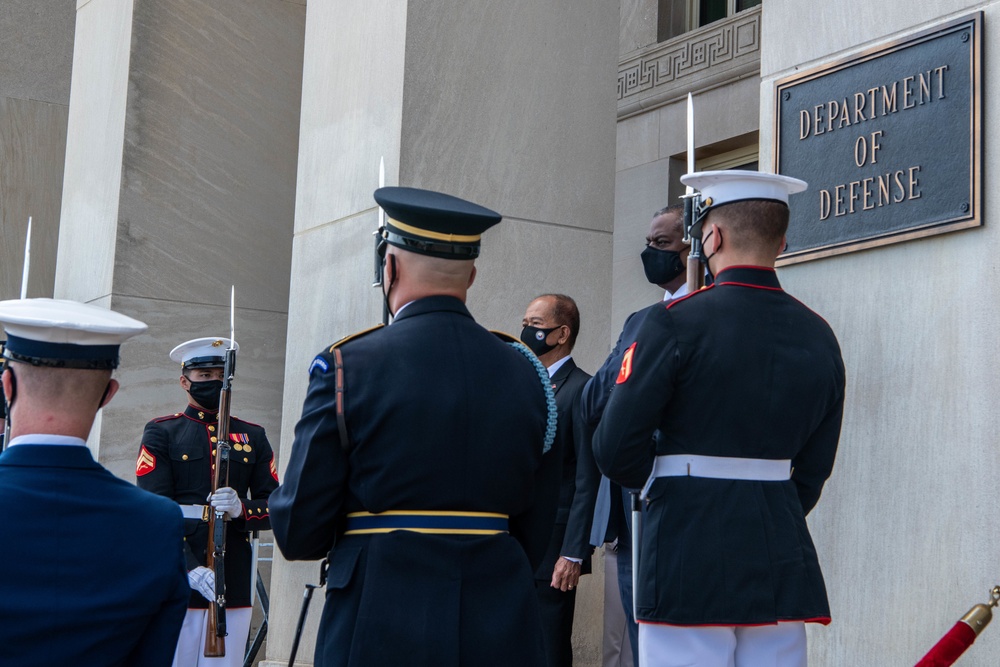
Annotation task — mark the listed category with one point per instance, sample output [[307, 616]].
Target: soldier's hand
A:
[[226, 500], [566, 574], [202, 579]]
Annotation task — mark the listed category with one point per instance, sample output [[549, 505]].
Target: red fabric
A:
[[951, 646], [146, 462], [626, 370]]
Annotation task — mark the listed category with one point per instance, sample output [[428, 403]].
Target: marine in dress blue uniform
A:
[[743, 387], [177, 460], [68, 594], [418, 465]]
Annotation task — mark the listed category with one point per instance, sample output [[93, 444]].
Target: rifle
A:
[[380, 244], [215, 638], [692, 223], [695, 270], [4, 408]]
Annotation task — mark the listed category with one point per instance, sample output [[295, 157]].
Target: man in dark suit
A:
[[727, 410], [177, 460], [664, 261], [419, 466], [96, 575], [551, 325]]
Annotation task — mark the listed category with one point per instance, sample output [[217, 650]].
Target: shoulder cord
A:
[[550, 397]]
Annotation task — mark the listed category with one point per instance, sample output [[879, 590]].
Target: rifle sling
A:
[[338, 360]]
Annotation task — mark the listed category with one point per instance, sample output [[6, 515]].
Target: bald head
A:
[[410, 276]]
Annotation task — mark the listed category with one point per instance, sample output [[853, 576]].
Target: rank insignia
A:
[[274, 470], [320, 363], [146, 462], [626, 370]]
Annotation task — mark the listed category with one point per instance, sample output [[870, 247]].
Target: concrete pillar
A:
[[36, 51], [179, 182], [510, 105]]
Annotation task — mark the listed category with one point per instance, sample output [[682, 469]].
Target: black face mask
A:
[[661, 266], [206, 393], [392, 281], [708, 267], [534, 338]]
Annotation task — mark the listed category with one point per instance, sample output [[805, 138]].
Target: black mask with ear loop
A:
[[8, 403], [107, 390], [708, 267], [391, 259]]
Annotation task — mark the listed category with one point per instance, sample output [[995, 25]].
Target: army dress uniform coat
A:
[[441, 416], [739, 369], [177, 460], [95, 572]]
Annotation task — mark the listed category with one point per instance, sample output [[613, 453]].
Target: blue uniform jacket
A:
[[94, 573], [740, 369], [443, 416]]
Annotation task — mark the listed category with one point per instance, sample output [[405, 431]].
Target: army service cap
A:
[[60, 333], [202, 353], [433, 223]]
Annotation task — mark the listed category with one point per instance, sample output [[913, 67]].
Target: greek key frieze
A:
[[692, 54]]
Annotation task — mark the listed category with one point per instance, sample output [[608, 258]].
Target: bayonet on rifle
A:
[[215, 638]]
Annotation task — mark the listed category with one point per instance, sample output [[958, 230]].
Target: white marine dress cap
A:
[[733, 185], [65, 334], [202, 352]]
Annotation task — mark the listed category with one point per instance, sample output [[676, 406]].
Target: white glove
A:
[[226, 500], [202, 579]]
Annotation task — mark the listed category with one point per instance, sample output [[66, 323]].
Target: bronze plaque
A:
[[889, 141]]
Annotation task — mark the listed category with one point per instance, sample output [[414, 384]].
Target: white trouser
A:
[[780, 645], [191, 644]]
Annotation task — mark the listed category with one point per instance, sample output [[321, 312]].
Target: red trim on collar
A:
[[751, 267], [772, 289]]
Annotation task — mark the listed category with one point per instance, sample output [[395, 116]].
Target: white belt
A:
[[199, 512], [719, 467]]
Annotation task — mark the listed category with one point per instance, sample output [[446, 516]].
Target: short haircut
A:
[[564, 311], [673, 208], [77, 389], [754, 224]]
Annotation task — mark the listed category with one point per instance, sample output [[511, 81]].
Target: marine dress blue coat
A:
[[94, 567], [740, 369]]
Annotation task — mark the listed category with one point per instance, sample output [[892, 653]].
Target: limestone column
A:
[[36, 51], [511, 105], [179, 182]]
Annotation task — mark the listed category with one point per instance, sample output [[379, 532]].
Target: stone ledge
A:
[[698, 60]]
